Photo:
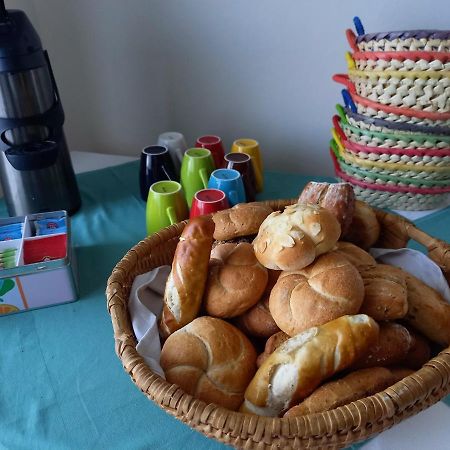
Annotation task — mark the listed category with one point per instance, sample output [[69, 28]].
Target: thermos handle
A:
[[33, 156], [171, 213]]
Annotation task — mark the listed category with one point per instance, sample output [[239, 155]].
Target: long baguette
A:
[[186, 282], [301, 363]]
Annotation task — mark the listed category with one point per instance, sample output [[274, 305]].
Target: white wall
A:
[[128, 71]]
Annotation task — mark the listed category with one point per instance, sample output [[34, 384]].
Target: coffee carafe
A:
[[36, 171]]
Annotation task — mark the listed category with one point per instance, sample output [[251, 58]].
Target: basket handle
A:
[[342, 78], [358, 26], [351, 38], [348, 101], [341, 113]]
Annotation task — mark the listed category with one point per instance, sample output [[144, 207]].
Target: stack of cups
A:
[[391, 138], [209, 180]]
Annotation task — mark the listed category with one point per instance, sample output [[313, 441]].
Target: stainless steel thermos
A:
[[35, 167]]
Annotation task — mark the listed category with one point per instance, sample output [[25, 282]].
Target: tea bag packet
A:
[[11, 231], [45, 227]]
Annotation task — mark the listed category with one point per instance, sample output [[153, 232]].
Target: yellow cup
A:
[[251, 147]]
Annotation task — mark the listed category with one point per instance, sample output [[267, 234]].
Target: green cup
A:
[[196, 168], [166, 205]]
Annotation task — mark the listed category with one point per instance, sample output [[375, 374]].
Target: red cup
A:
[[214, 145], [208, 201]]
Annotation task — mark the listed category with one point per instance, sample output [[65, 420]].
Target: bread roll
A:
[[186, 282], [393, 344], [419, 353], [236, 280], [338, 198], [385, 295], [292, 239], [359, 384], [304, 361], [364, 229], [244, 219], [211, 360], [325, 290], [356, 255], [258, 321], [271, 345], [428, 312]]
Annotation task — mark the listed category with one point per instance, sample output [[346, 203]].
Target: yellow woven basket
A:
[[337, 428]]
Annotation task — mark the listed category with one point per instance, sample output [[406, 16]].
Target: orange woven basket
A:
[[337, 428]]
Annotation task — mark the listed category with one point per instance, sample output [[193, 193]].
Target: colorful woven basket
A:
[[373, 108], [414, 90], [400, 41], [403, 61], [385, 126], [350, 166], [398, 139], [389, 194]]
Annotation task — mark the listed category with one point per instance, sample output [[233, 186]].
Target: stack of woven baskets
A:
[[391, 140]]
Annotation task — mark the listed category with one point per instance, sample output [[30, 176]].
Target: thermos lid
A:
[[20, 45], [17, 35]]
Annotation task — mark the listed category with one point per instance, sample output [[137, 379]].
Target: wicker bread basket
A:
[[332, 429]]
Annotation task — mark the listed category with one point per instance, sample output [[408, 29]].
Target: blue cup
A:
[[230, 182]]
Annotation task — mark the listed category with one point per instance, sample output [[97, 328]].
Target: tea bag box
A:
[[44, 272]]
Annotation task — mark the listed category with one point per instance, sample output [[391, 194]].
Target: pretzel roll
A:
[[236, 280], [365, 228], [385, 295], [258, 321], [428, 312], [338, 198], [304, 361], [211, 360], [356, 255], [186, 282], [292, 239], [359, 384], [393, 344], [244, 219], [325, 290]]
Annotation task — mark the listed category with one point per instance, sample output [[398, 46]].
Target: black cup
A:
[[243, 164], [156, 165]]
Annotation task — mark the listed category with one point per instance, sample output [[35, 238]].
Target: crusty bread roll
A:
[[393, 344], [359, 384], [292, 239], [338, 198], [356, 255], [364, 229], [271, 345], [325, 290], [419, 353], [428, 312], [236, 280], [257, 321], [243, 219], [385, 295], [211, 360], [186, 281], [304, 361]]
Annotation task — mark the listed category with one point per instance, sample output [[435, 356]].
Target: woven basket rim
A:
[[341, 426], [391, 125]]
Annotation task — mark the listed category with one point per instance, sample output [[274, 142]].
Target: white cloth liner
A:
[[146, 300]]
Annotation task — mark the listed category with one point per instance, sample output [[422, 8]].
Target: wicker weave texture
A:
[[332, 429]]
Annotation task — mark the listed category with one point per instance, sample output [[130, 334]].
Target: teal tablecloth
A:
[[61, 384]]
